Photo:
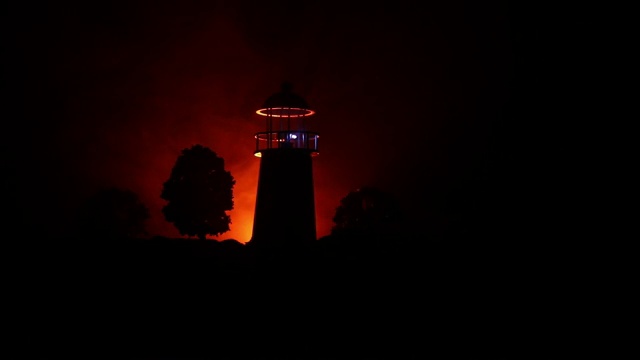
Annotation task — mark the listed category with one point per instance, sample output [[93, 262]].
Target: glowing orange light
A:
[[290, 112]]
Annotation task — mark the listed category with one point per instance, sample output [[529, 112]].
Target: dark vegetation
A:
[[199, 192], [365, 291], [113, 213]]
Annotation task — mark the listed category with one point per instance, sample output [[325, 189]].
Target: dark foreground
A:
[[163, 298]]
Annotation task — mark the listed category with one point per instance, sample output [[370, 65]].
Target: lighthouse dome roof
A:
[[286, 98], [285, 104]]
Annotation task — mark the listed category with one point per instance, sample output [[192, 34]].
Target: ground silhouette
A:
[[403, 298]]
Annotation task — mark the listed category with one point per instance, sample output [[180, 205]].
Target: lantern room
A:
[[286, 124]]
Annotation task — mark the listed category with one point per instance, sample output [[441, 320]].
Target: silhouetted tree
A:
[[366, 211], [113, 213], [199, 192]]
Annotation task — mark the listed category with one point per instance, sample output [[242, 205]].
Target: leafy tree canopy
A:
[[199, 192]]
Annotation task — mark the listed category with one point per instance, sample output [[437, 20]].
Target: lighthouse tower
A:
[[285, 207]]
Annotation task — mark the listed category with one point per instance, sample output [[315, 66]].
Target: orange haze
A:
[[119, 100]]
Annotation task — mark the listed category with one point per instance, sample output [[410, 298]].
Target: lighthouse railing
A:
[[306, 140]]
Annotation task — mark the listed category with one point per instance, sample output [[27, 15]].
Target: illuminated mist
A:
[[134, 113], [121, 92]]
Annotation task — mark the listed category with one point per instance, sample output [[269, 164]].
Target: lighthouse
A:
[[285, 206]]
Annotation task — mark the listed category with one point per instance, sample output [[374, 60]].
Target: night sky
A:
[[417, 98]]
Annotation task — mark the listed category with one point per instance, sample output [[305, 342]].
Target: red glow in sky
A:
[[116, 93]]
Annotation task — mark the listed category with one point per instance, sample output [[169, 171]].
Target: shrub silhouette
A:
[[199, 192], [366, 211], [113, 213]]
